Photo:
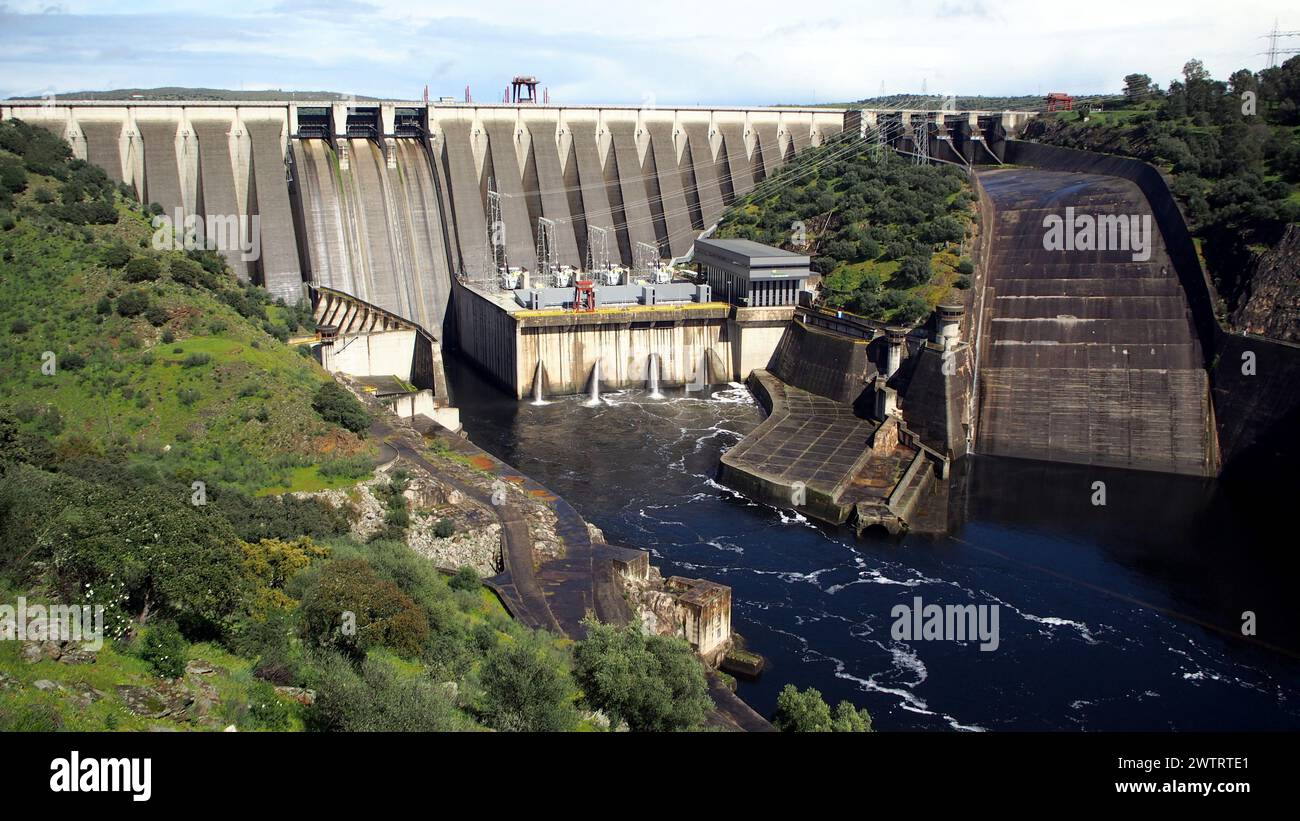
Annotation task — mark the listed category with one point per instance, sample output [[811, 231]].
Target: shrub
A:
[[168, 337], [72, 361], [376, 700], [965, 266], [142, 269], [156, 314], [196, 360], [116, 255], [132, 303], [380, 613], [348, 467], [187, 272], [526, 687], [914, 271], [44, 196], [808, 712], [465, 579], [336, 405], [19, 326], [164, 648], [104, 305], [654, 683], [266, 710], [444, 529]]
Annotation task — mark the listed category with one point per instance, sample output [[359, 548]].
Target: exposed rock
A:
[[301, 695], [76, 655], [199, 667], [31, 652], [154, 702], [1271, 306], [44, 684]]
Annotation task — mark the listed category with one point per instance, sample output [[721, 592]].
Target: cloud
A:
[[685, 52]]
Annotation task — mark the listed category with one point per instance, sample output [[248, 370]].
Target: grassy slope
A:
[[244, 417]]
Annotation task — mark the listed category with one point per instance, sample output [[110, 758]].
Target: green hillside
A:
[[887, 235], [130, 373]]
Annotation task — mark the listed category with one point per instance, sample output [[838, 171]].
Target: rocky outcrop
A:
[[475, 542], [1271, 306]]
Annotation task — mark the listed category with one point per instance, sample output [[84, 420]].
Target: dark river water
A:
[[1122, 617]]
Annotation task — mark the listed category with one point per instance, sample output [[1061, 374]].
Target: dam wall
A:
[[1158, 200], [1254, 415], [1087, 356], [391, 197], [820, 362]]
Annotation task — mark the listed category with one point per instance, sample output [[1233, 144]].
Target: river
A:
[[1125, 616]]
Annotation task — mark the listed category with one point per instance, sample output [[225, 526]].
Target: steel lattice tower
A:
[[597, 249], [546, 252], [496, 230]]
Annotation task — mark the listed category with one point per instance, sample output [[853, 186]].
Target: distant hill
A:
[[178, 93], [1024, 102]]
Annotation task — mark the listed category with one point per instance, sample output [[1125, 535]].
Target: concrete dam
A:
[[387, 201], [1089, 357]]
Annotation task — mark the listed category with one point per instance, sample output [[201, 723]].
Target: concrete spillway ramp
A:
[[1088, 356], [104, 146], [161, 165], [555, 191], [521, 248], [218, 194], [278, 263], [591, 179], [631, 184], [672, 196], [739, 170], [705, 169], [767, 151], [467, 192], [375, 232]]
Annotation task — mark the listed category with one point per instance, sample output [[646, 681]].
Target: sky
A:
[[648, 52]]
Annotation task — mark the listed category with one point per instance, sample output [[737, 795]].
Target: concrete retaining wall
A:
[[826, 364]]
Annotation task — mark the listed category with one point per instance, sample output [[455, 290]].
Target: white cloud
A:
[[680, 51]]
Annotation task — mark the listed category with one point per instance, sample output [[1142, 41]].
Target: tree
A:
[[336, 405], [1137, 87], [654, 683], [914, 271], [133, 303], [142, 269], [376, 699], [349, 609], [138, 551], [802, 712], [526, 687], [808, 712]]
